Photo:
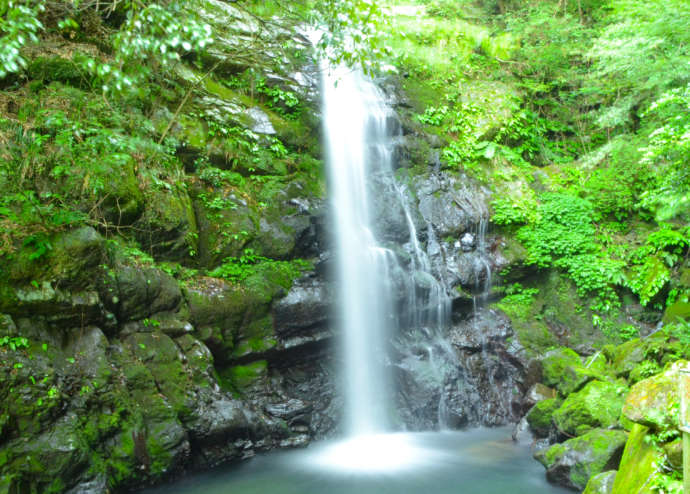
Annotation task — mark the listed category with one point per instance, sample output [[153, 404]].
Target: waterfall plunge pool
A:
[[479, 461]]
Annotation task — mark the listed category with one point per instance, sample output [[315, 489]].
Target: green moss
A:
[[601, 483], [540, 416], [598, 404], [628, 356], [677, 311], [655, 401], [524, 313], [49, 69], [583, 457], [240, 377], [639, 465], [555, 363]]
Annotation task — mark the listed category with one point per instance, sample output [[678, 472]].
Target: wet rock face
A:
[[449, 204], [470, 376]]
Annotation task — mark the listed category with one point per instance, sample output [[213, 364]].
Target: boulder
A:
[[575, 461], [628, 356], [598, 404], [563, 369], [217, 421], [540, 416], [654, 401]]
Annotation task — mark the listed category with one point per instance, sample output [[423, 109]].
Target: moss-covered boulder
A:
[[563, 369], [555, 362], [575, 461], [628, 356], [655, 401], [540, 416], [598, 404], [639, 466], [70, 256], [601, 483], [232, 319]]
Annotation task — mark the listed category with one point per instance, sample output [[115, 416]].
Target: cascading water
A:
[[379, 298], [355, 129]]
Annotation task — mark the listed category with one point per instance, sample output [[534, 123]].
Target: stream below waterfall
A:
[[479, 461]]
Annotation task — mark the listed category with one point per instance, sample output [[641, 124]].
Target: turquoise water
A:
[[481, 461]]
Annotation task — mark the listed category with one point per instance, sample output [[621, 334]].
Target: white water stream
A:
[[355, 129], [358, 130]]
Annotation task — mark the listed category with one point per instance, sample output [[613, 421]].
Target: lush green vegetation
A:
[[165, 148], [576, 115]]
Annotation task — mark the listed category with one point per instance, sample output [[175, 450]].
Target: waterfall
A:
[[355, 135], [379, 297]]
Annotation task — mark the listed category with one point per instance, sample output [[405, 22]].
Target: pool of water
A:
[[481, 461]]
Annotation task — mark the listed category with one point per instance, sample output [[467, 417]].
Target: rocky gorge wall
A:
[[122, 366]]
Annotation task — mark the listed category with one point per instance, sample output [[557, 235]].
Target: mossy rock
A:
[[654, 348], [639, 465], [655, 401], [199, 358], [255, 338], [50, 69], [598, 363], [540, 416], [601, 483], [645, 369], [71, 257], [230, 318], [161, 356], [555, 362], [122, 200], [598, 404], [531, 330], [575, 461], [167, 227], [62, 308], [514, 254], [48, 462], [240, 378], [226, 224], [564, 308], [133, 292], [628, 356], [676, 312], [563, 369]]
